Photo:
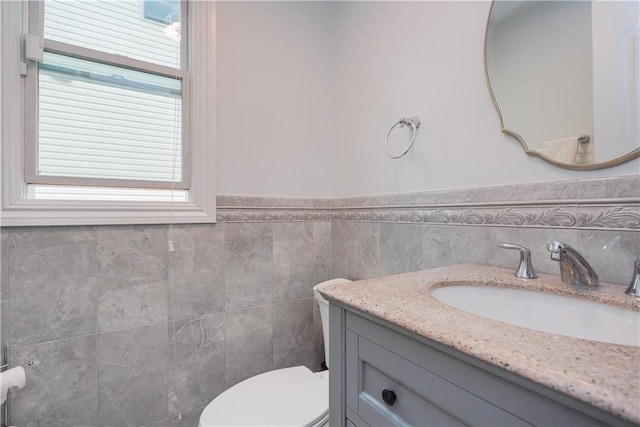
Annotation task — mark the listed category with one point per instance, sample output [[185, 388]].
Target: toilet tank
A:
[[323, 304]]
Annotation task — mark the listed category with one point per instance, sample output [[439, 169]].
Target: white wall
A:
[[274, 98], [422, 58], [308, 90]]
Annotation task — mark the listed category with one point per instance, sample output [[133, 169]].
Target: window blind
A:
[[99, 121]]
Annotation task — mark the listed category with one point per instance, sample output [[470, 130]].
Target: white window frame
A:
[[38, 44], [18, 210]]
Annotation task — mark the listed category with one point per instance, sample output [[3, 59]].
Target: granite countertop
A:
[[603, 375]]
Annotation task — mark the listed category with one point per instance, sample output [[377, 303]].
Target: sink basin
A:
[[556, 314]]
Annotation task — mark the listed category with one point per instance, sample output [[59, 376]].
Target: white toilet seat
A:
[[284, 397]]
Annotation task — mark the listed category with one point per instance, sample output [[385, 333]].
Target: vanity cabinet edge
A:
[[340, 413]]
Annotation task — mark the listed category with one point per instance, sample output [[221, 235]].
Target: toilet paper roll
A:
[[14, 377]]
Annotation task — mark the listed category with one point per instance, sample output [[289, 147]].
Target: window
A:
[[163, 11], [115, 112]]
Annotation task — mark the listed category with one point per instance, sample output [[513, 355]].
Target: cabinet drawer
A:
[[425, 372], [421, 398]]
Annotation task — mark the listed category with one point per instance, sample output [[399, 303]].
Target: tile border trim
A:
[[609, 217], [555, 204], [612, 217], [271, 214]]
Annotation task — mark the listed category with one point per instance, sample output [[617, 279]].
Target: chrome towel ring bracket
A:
[[414, 122]]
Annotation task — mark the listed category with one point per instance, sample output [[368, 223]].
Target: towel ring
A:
[[414, 122]]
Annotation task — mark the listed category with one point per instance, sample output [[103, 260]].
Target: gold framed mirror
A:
[[564, 77]]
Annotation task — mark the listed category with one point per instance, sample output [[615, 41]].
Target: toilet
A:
[[283, 397]]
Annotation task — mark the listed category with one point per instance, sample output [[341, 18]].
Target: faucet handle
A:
[[634, 287], [525, 269]]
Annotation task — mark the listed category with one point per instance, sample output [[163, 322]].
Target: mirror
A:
[[565, 78]]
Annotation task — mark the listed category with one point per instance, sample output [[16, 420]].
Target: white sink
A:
[[556, 314]]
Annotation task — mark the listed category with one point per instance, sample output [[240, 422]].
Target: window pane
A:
[[66, 192], [100, 121], [132, 28]]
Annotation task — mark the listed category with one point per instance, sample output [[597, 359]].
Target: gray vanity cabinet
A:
[[382, 375]]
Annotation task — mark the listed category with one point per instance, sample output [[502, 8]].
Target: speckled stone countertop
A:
[[603, 375]]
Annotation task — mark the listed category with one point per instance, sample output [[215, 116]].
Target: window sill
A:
[[51, 212]]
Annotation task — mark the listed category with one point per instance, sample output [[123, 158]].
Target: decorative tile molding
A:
[[269, 214], [608, 217], [271, 209], [613, 217], [610, 203], [625, 217]]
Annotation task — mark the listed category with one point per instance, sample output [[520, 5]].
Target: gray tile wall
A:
[[610, 253], [381, 235], [123, 332]]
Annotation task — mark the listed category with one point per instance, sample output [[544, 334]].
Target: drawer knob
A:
[[389, 397]]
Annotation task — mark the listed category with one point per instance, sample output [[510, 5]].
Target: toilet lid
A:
[[284, 397]]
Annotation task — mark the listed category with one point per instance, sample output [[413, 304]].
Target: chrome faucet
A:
[[574, 269], [634, 287]]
